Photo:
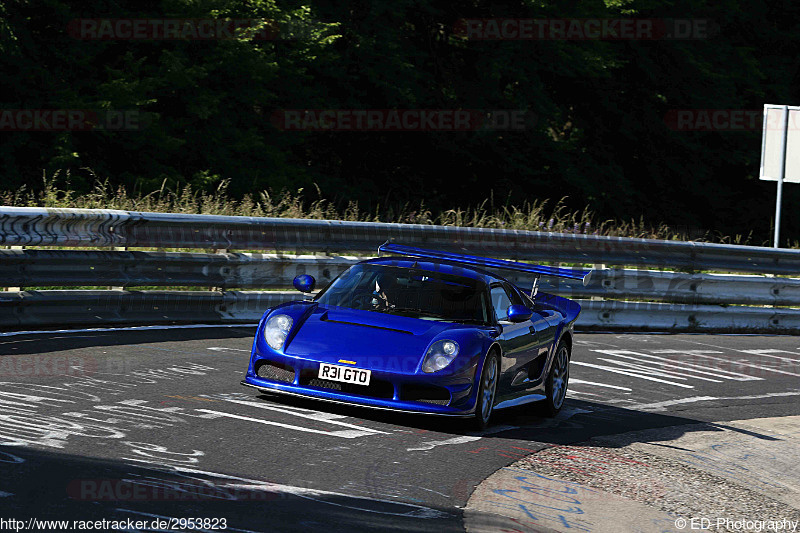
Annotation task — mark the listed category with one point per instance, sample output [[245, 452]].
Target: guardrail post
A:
[[15, 289], [118, 249], [219, 251], [600, 268]]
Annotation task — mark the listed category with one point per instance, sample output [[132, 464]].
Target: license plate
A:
[[345, 374]]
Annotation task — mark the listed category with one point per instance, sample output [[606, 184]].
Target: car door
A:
[[517, 340], [545, 326]]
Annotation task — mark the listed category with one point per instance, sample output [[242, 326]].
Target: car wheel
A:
[[487, 387], [557, 381]]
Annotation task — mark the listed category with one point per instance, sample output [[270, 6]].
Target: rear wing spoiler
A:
[[486, 262]]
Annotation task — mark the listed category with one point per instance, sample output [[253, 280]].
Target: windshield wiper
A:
[[404, 310], [468, 320], [422, 312]]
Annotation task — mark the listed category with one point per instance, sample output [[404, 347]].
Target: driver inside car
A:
[[385, 287]]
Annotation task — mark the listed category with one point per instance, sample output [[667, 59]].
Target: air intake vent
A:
[[437, 402], [276, 372], [425, 394], [325, 384]]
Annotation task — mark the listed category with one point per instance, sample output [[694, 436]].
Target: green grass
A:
[[538, 215]]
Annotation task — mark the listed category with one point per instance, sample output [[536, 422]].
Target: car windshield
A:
[[409, 292]]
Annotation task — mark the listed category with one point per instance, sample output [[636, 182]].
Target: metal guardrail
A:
[[648, 316], [695, 302], [71, 268], [66, 268], [49, 308], [62, 308], [677, 287], [28, 226]]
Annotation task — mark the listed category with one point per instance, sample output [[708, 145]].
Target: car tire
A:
[[557, 381], [487, 390]]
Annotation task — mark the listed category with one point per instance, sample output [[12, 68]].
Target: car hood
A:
[[367, 339]]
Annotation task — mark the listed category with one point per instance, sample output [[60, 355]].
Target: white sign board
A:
[[771, 144]]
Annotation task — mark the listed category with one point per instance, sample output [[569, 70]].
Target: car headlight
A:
[[276, 330], [440, 354]]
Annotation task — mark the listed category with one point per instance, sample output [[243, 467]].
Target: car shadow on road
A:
[[578, 421], [52, 485]]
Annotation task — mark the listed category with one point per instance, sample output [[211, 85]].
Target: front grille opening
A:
[[425, 394], [376, 389], [325, 384], [275, 371]]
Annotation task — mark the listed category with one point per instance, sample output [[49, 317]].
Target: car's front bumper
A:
[[352, 401], [452, 395]]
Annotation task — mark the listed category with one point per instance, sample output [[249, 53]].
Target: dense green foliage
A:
[[597, 128]]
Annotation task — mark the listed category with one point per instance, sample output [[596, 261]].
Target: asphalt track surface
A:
[[146, 424]]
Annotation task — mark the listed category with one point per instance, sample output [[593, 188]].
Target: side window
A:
[[500, 302]]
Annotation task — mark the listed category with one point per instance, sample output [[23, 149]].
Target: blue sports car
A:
[[421, 331]]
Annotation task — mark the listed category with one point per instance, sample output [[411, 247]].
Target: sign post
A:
[[779, 142]]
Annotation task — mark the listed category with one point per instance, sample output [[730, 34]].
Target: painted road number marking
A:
[[345, 374]]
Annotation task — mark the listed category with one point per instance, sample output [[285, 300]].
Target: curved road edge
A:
[[733, 476]]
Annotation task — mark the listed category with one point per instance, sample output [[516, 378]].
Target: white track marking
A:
[[723, 348], [760, 396], [716, 371], [650, 370], [659, 406], [750, 365], [51, 338], [593, 343], [131, 328], [633, 374], [223, 348], [345, 434], [680, 365], [241, 397], [749, 352], [583, 382], [641, 369], [328, 418], [572, 392], [429, 445], [769, 353]]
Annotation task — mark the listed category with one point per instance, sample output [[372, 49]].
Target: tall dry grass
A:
[[538, 215]]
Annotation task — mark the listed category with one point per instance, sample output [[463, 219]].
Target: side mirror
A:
[[519, 313], [304, 283]]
